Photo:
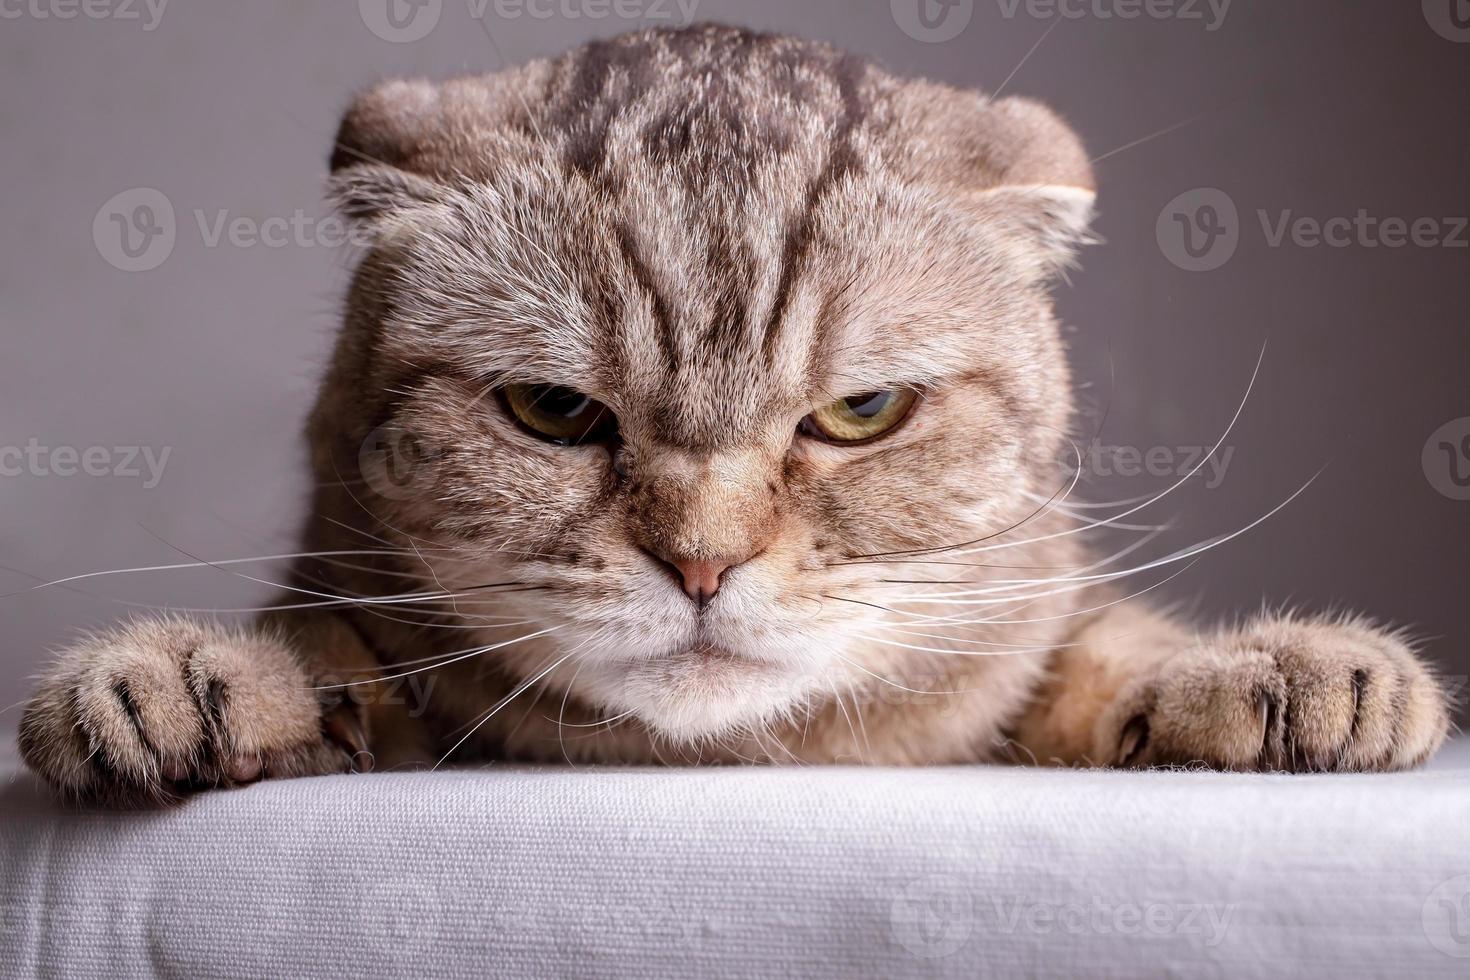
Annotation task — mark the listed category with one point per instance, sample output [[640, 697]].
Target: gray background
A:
[[1322, 108]]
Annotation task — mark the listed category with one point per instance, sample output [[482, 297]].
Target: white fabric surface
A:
[[751, 872]]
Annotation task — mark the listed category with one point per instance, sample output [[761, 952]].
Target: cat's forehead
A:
[[709, 316]]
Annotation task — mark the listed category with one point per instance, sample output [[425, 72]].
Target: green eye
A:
[[560, 415], [860, 418]]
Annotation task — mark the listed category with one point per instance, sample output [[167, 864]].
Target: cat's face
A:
[[683, 408]]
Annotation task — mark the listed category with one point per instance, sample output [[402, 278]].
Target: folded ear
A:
[[374, 183], [1049, 222], [1030, 176]]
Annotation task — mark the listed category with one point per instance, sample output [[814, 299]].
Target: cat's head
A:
[[685, 325]]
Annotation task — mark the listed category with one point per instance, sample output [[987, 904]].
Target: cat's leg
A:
[[1280, 693], [153, 709]]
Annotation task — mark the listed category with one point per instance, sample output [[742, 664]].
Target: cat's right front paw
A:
[[1315, 695], [159, 707]]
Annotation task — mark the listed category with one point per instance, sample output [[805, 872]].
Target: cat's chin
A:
[[706, 692]]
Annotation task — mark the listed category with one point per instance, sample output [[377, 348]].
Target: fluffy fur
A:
[[712, 233]]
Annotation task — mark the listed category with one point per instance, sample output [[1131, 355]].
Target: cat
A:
[[698, 400]]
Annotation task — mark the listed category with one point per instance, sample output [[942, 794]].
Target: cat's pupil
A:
[[866, 406], [558, 401]]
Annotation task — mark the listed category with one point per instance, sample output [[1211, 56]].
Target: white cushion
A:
[[751, 872]]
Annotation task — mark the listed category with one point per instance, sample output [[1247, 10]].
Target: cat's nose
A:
[[700, 577]]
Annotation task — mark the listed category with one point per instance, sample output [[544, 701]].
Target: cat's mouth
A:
[[709, 653], [713, 656]]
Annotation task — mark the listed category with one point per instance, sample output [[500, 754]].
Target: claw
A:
[[1133, 741], [1273, 752], [344, 728], [1360, 687]]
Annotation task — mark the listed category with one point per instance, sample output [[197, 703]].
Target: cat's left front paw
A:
[[1282, 694]]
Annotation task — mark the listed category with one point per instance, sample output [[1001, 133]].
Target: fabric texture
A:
[[770, 872]]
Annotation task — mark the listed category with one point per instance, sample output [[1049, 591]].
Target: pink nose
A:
[[701, 578]]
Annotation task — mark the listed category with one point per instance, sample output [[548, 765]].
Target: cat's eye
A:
[[561, 415], [860, 418]]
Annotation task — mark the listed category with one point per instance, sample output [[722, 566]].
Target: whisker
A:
[[950, 621], [174, 567], [1024, 58], [477, 651], [889, 681], [1110, 559], [503, 702], [1183, 555]]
